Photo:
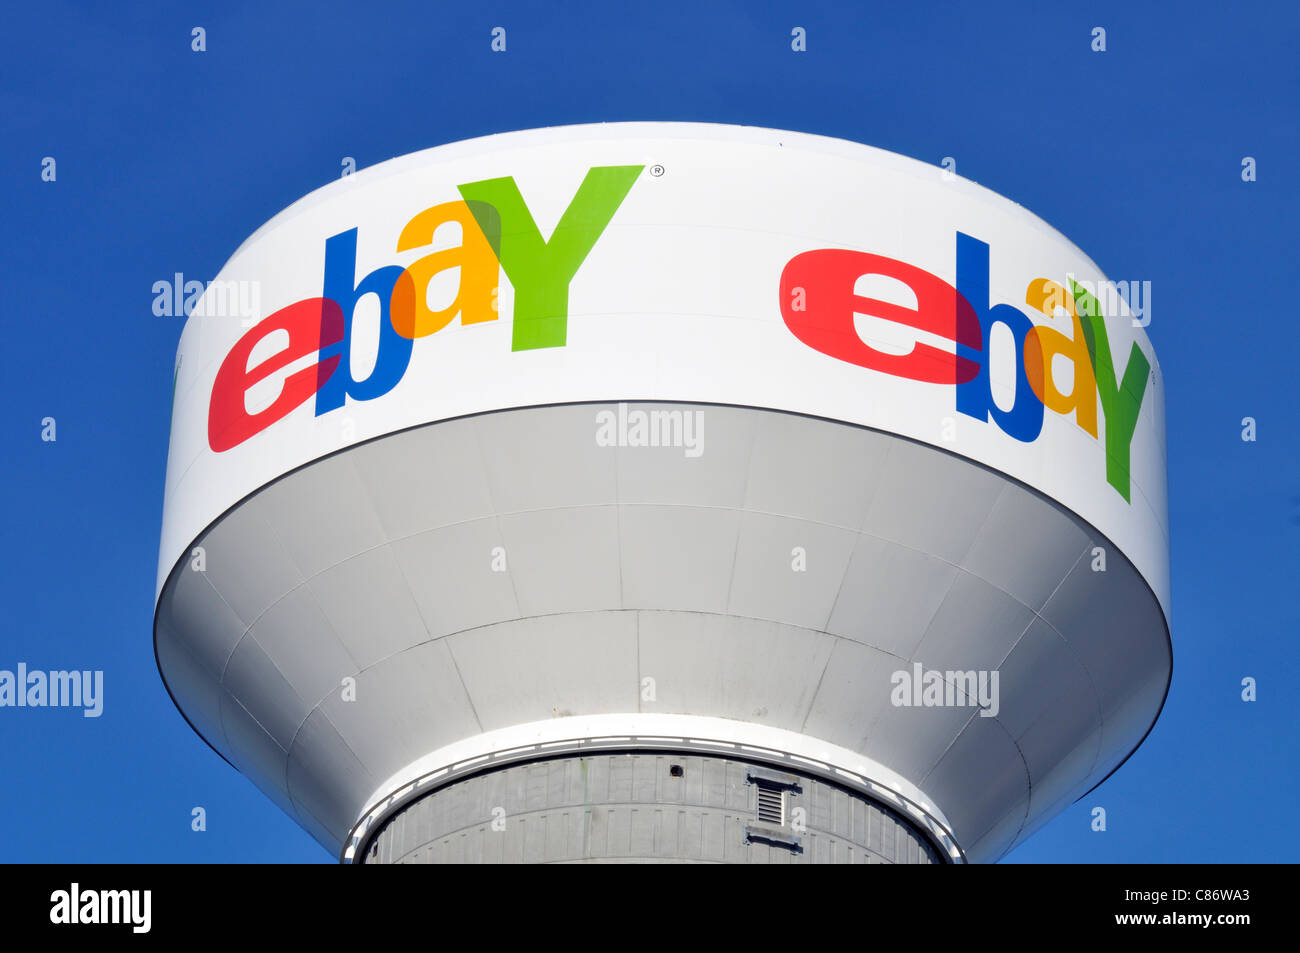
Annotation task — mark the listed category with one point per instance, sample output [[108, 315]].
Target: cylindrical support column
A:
[[646, 807]]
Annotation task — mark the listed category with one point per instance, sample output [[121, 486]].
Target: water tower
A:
[[665, 492]]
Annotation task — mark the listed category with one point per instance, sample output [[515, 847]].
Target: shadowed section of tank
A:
[[647, 808], [742, 584]]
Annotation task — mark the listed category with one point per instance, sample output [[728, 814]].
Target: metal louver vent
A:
[[770, 825], [771, 802]]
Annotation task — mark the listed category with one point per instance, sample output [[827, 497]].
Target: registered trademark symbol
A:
[[656, 170]]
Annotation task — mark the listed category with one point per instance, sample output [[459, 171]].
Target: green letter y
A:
[[540, 271]]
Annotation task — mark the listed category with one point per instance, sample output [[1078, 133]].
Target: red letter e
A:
[[311, 325]]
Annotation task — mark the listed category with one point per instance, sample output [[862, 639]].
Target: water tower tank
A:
[[665, 491]]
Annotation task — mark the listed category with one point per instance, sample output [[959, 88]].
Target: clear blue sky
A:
[[167, 159]]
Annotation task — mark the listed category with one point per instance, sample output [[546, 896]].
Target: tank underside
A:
[[438, 585]]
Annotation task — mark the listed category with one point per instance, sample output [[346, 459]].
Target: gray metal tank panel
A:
[[645, 808]]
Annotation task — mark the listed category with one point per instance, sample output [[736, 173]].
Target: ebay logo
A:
[[820, 305], [823, 296], [497, 231]]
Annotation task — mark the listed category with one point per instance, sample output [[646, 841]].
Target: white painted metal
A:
[[365, 552], [678, 300]]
